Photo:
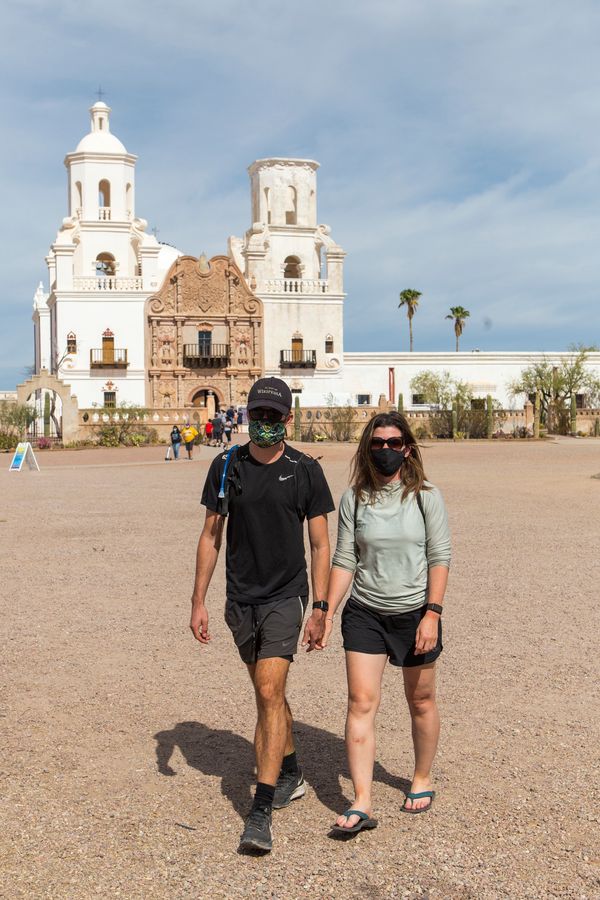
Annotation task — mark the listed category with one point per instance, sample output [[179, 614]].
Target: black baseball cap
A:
[[272, 393]]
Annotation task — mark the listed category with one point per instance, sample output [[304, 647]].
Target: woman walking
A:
[[394, 549]]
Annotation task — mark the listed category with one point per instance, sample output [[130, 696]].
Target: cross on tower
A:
[[100, 92], [155, 231]]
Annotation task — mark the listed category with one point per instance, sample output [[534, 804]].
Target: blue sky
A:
[[458, 139]]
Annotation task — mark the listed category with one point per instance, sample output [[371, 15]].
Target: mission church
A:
[[130, 320]]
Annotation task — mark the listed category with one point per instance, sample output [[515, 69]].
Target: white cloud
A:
[[458, 142]]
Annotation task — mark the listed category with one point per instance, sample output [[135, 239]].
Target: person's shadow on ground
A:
[[230, 757]]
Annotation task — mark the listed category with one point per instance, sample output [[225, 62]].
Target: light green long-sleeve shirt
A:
[[390, 569]]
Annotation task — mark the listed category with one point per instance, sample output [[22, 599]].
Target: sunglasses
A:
[[394, 443], [265, 414]]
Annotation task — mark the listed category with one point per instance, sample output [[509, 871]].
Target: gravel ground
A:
[[126, 748]]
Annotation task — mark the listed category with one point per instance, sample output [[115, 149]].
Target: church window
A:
[[292, 267], [329, 344], [291, 212], [110, 399], [204, 342], [128, 203], [108, 347], [297, 346], [580, 401], [477, 403], [418, 399], [363, 399], [71, 343], [105, 265], [78, 198], [268, 205]]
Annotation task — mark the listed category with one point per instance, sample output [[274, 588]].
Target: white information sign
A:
[[23, 453]]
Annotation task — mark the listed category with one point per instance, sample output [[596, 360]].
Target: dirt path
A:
[[126, 749]]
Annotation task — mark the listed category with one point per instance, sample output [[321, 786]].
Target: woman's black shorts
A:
[[366, 631]]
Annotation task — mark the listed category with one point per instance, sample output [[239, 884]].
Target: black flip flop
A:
[[364, 822], [412, 796]]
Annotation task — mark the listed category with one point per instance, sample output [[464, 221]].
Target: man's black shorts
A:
[[366, 631], [265, 630]]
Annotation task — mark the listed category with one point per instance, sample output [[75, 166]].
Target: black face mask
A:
[[387, 461]]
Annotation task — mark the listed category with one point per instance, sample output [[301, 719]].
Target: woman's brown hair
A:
[[365, 478]]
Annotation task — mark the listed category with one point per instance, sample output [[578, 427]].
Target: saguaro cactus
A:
[[297, 418], [401, 402], [489, 415], [573, 415], [454, 419]]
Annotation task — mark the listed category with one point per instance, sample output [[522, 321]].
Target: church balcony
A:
[[297, 359], [107, 283], [104, 213], [209, 356], [105, 358], [295, 286]]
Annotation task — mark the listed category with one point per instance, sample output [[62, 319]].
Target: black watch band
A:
[[321, 604], [436, 608]]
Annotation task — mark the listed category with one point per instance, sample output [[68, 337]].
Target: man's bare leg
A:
[[273, 736]]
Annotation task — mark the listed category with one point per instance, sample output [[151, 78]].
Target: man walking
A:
[[268, 488]]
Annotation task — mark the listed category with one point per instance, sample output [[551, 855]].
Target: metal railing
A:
[[205, 355], [102, 358], [297, 359]]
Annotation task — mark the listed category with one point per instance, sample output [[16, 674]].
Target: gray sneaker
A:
[[257, 830], [289, 787]]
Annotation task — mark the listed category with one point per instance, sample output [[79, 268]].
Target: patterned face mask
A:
[[266, 434]]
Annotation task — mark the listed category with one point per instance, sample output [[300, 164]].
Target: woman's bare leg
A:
[[419, 687], [364, 671]]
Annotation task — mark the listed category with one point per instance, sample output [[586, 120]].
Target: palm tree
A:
[[409, 299], [459, 314]]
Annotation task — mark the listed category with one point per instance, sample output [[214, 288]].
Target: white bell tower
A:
[[102, 266], [296, 268]]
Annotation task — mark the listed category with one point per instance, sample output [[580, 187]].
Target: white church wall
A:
[[486, 373]]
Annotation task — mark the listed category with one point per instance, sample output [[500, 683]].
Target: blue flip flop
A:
[[364, 822], [410, 795]]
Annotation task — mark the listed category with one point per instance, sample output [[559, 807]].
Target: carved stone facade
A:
[[204, 339]]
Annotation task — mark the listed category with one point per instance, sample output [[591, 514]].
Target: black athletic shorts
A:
[[265, 630], [366, 631]]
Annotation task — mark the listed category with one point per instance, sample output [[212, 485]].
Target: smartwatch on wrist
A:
[[321, 604], [436, 608]]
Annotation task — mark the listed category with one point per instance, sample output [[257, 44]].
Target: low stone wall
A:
[[318, 420]]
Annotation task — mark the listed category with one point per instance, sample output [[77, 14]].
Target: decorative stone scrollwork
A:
[[332, 362]]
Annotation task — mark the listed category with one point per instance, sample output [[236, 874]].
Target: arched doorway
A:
[[208, 400], [46, 416], [58, 415]]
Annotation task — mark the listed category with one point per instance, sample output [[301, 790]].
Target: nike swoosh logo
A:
[[285, 477]]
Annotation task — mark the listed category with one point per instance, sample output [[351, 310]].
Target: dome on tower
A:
[[99, 139]]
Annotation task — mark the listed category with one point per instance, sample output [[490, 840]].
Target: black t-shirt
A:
[[265, 538]]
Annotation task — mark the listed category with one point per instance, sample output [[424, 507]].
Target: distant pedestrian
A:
[[176, 440], [217, 425], [227, 428], [189, 435], [240, 418], [208, 433]]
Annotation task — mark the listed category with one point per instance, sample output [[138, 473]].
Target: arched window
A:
[[78, 198], [128, 199], [104, 199], [71, 342], [268, 205], [329, 343], [291, 210], [105, 265], [292, 267]]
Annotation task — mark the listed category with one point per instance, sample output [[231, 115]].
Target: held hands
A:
[[314, 631], [199, 623], [427, 633]]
